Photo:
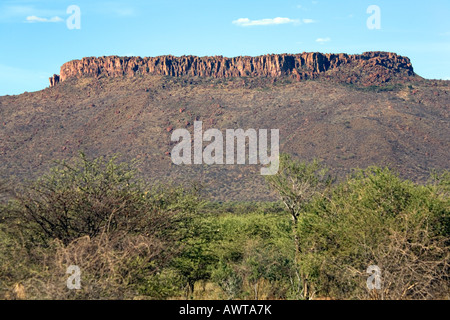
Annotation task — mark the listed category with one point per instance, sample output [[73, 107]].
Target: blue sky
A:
[[35, 39]]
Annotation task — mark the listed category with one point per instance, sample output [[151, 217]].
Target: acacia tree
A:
[[91, 197], [296, 183]]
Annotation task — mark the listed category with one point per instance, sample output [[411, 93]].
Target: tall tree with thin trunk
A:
[[296, 183]]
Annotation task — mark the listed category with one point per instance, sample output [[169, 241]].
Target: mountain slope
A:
[[363, 112]]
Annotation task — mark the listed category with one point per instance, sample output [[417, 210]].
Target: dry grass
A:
[[109, 264]]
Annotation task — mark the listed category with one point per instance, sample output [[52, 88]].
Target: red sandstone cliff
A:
[[367, 69]]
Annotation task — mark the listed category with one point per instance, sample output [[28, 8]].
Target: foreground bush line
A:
[[131, 240]]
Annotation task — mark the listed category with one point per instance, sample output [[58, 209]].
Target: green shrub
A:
[[228, 280], [94, 214], [375, 218], [163, 285]]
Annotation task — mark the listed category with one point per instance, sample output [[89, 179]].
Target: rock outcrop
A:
[[367, 69], [54, 80]]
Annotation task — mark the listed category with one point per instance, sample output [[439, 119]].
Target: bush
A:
[[94, 214], [375, 218], [228, 280], [163, 285], [255, 255], [80, 199]]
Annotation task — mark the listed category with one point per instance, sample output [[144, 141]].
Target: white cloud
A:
[[38, 19], [246, 22], [308, 21], [323, 40]]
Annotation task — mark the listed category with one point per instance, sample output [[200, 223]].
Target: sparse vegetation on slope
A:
[[346, 128]]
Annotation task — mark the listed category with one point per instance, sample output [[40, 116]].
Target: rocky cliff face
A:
[[367, 69]]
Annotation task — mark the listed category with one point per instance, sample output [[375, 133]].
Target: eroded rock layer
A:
[[368, 68]]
